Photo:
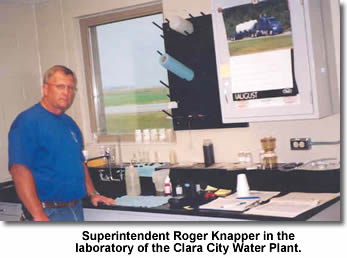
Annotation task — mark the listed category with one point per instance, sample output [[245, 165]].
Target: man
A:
[[45, 154]]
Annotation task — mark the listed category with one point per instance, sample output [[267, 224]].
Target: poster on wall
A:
[[261, 50]]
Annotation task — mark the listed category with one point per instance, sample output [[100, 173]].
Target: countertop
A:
[[165, 209], [8, 194], [220, 177]]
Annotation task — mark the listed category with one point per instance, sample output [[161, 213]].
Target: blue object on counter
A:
[[146, 169], [248, 197], [142, 201], [176, 67]]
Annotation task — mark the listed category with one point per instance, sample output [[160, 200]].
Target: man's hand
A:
[[41, 218], [97, 198], [94, 196]]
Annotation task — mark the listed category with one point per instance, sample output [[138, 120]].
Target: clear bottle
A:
[[132, 181]]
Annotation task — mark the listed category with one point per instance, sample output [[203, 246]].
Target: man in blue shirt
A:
[[45, 154]]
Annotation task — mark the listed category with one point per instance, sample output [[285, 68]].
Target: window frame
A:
[[92, 64]]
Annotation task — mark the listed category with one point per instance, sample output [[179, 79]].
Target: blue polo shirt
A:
[[51, 147]]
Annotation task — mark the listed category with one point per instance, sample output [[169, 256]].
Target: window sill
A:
[[129, 139]]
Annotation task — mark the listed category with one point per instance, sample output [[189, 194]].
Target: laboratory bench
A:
[[262, 180], [310, 181], [329, 211], [10, 206]]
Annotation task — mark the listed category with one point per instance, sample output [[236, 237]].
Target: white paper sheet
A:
[[231, 203], [292, 204], [269, 70]]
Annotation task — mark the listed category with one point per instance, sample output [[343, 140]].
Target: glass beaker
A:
[[269, 157], [268, 143]]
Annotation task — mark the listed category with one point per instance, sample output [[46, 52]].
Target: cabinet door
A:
[[297, 81], [9, 218], [10, 211]]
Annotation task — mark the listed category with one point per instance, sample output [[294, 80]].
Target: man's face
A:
[[59, 92]]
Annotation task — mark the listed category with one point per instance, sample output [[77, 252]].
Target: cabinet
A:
[[10, 211], [312, 67]]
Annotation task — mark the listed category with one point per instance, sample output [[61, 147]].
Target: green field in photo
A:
[[136, 97], [126, 123], [261, 44]]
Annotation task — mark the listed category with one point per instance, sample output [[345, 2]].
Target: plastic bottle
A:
[[132, 181], [179, 190], [167, 186]]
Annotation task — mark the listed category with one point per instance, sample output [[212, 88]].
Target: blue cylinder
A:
[[176, 67]]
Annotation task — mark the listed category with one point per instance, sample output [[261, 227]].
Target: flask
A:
[[132, 181], [269, 158], [208, 153], [167, 186]]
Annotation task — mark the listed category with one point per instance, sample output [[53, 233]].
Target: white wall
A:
[[59, 43], [19, 69]]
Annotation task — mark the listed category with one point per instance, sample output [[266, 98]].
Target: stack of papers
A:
[[292, 204], [232, 203]]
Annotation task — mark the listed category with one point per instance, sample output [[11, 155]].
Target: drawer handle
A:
[[2, 210]]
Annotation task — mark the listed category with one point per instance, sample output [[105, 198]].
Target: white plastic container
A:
[[167, 186], [154, 135], [162, 135], [132, 181], [146, 137], [242, 187], [158, 178], [179, 190], [138, 136]]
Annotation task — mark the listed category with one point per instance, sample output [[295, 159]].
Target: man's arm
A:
[[95, 198], [26, 190]]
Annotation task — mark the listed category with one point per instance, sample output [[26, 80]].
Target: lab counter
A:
[[8, 200], [262, 180], [306, 181], [329, 211], [10, 206]]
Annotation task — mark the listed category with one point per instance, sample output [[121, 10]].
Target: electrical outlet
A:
[[300, 143]]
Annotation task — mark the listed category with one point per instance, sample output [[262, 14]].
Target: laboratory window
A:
[[123, 73]]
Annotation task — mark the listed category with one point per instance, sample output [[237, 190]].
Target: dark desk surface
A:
[[165, 209], [8, 194]]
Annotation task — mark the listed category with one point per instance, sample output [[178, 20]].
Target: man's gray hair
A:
[[48, 74]]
